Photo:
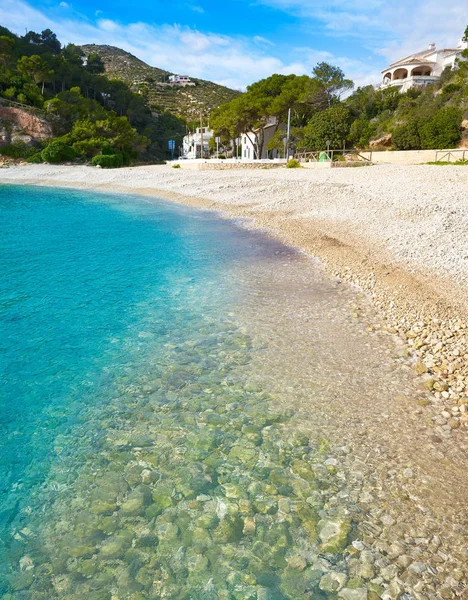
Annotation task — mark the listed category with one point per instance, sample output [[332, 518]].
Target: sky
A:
[[237, 42]]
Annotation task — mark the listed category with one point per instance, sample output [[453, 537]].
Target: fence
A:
[[331, 156], [34, 110], [452, 155]]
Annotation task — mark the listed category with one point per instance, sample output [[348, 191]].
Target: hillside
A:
[[186, 102]]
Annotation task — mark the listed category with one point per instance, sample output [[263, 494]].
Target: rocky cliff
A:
[[18, 125]]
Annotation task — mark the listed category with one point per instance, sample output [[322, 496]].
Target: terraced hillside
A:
[[186, 102]]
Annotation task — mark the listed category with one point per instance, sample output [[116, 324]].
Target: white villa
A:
[[249, 146], [422, 68], [191, 147], [181, 80]]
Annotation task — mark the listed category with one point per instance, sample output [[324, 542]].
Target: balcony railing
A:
[[415, 79]]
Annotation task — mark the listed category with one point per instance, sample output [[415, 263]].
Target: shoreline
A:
[[426, 308]]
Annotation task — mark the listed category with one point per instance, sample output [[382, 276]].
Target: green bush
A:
[[293, 164], [57, 151], [406, 137], [451, 88], [107, 149], [361, 133], [18, 150], [35, 158], [108, 161], [176, 166], [443, 130]]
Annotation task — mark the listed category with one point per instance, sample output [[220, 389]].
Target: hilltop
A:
[[186, 102]]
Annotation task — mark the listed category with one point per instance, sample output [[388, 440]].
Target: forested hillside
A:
[[92, 117]]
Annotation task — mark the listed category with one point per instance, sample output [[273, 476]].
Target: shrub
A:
[[443, 130], [35, 158], [57, 151], [18, 150], [293, 164], [406, 137], [107, 149], [451, 88], [176, 166], [361, 133], [107, 161]]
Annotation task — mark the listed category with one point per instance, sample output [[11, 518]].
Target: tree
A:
[[332, 80], [330, 125], [361, 132], [94, 64], [35, 68], [6, 46], [57, 151], [45, 42]]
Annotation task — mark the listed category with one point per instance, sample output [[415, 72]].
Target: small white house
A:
[[182, 80], [192, 143], [421, 68], [249, 145]]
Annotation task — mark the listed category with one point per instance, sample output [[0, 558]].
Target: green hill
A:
[[186, 102]]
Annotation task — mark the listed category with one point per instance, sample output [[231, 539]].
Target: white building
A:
[[192, 143], [422, 68], [182, 80], [249, 143]]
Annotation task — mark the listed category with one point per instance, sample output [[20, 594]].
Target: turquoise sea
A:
[[141, 458]]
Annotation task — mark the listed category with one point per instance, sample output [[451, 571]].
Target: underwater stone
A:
[[162, 496], [101, 507], [333, 582], [334, 534], [265, 505], [136, 501], [87, 567], [229, 530], [132, 474], [116, 545], [302, 470], [108, 524], [243, 454], [353, 594], [22, 580]]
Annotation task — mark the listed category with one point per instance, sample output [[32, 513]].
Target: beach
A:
[[398, 232], [354, 306]]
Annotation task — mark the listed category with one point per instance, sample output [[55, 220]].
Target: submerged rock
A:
[[334, 534]]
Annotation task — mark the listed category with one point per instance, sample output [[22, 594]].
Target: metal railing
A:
[[39, 112]]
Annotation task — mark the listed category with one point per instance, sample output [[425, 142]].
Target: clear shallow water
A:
[[138, 459]]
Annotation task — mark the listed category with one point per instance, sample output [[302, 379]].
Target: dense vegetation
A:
[[423, 118], [91, 114]]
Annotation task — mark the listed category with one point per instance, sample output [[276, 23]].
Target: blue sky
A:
[[237, 42]]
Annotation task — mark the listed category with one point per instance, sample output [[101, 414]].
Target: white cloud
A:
[[391, 29], [196, 8], [232, 61]]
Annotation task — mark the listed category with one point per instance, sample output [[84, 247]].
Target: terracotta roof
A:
[[420, 56]]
